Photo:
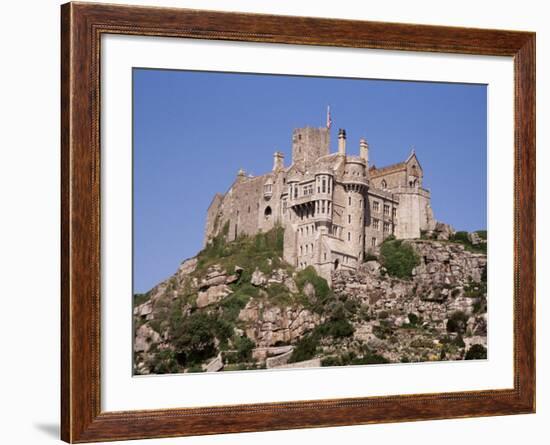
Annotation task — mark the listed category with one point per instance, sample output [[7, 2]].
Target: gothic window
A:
[[386, 227], [384, 184], [376, 206], [267, 212], [375, 224], [386, 210], [295, 191]]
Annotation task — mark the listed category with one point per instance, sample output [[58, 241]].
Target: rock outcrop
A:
[[216, 315]]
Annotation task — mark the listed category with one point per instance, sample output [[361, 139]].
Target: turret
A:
[[341, 141], [364, 151]]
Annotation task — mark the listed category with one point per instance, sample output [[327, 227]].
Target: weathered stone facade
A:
[[334, 207]]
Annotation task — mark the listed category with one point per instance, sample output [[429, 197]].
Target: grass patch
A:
[[461, 237], [139, 299], [398, 258]]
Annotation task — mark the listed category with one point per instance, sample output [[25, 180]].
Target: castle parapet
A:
[[412, 190]]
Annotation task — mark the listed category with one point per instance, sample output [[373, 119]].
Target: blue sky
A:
[[194, 130]]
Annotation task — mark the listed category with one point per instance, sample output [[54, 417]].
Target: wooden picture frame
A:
[[82, 26]]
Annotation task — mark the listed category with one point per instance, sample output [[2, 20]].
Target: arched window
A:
[[336, 264], [384, 184], [267, 212]]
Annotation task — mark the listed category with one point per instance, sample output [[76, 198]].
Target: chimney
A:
[[341, 141], [278, 161], [364, 150]]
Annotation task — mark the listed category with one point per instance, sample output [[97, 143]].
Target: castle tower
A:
[[309, 144]]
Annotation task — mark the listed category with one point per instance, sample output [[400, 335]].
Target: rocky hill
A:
[[240, 306]]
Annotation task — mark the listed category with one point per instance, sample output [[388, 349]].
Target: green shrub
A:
[[457, 322], [322, 289], [398, 258], [461, 237], [279, 294], [480, 306], [305, 349], [164, 362], [193, 337], [139, 299], [414, 320], [482, 234], [476, 352], [232, 305], [243, 353], [370, 256]]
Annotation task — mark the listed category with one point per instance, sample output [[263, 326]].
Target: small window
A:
[[386, 210], [349, 236], [373, 242], [384, 184], [376, 206], [349, 219], [267, 212], [386, 227], [349, 200]]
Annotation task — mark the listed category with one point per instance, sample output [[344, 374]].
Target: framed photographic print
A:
[[274, 222]]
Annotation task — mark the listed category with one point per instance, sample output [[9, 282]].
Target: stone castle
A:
[[334, 207]]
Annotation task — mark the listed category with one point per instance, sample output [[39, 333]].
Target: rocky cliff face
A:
[[216, 314]]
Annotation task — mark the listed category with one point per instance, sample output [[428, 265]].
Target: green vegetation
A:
[[370, 256], [367, 357], [193, 337], [398, 258], [323, 293], [140, 298], [243, 351], [337, 326], [476, 352], [457, 322], [461, 237], [264, 250], [482, 234]]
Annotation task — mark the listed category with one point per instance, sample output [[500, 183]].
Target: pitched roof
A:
[[374, 172]]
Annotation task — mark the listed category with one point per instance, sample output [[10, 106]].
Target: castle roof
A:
[[375, 172]]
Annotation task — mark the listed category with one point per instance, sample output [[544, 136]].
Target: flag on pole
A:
[[329, 119]]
